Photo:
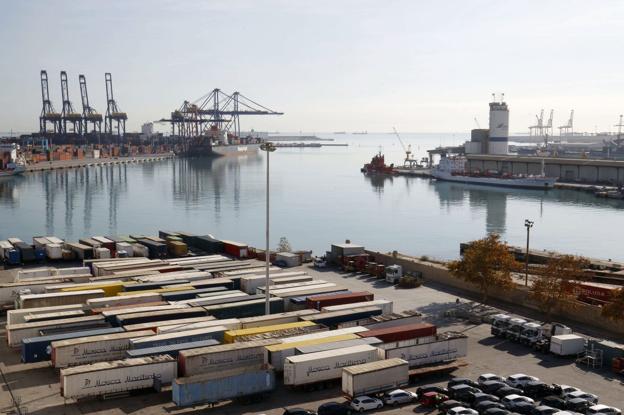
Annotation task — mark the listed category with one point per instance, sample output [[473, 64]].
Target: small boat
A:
[[378, 165], [12, 170]]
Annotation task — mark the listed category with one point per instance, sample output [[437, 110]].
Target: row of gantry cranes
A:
[[541, 129], [72, 122]]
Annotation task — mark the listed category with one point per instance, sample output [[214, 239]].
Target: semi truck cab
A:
[[514, 328], [499, 324], [394, 273], [531, 332]]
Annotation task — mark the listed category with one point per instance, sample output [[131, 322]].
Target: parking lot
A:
[[36, 385]]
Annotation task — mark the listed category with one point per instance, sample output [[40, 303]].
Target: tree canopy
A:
[[284, 245], [614, 310], [487, 263]]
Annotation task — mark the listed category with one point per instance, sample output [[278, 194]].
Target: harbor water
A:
[[318, 195]]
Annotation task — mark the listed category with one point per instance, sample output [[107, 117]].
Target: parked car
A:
[[577, 405], [398, 397], [554, 402], [334, 408], [492, 386], [603, 410], [519, 380], [431, 388], [544, 410], [450, 404], [298, 411], [482, 397], [489, 376], [464, 393], [511, 401], [366, 403], [507, 390], [483, 406], [564, 389], [432, 399], [462, 381], [537, 389], [590, 397], [461, 410], [496, 411], [524, 408]]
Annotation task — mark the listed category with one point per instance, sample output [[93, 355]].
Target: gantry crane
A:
[[70, 116], [409, 161], [89, 114], [568, 129], [113, 114], [538, 129], [48, 114]]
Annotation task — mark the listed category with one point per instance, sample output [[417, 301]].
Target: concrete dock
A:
[[77, 163]]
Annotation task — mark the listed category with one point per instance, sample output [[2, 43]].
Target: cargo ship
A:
[[219, 143], [453, 169]]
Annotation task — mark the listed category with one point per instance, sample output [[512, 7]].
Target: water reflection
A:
[[378, 181]]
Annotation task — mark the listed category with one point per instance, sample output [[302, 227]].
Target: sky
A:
[[336, 65]]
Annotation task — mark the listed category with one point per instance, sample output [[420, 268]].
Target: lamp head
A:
[[268, 146]]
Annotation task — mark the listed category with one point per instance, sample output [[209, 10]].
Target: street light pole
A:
[[269, 148], [528, 224]]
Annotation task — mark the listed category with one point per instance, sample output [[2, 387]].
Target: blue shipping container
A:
[[37, 349], [203, 389], [172, 350], [12, 257]]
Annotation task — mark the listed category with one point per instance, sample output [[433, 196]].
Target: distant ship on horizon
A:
[[360, 132]]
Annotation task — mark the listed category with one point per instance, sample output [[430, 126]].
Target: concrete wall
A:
[[584, 313]]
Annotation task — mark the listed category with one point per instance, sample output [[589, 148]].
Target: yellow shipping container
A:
[[158, 290], [231, 335], [110, 289], [312, 342]]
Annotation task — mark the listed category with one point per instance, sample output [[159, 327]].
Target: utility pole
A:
[[528, 224], [269, 148]]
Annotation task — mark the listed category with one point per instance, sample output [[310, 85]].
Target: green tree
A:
[[284, 245], [554, 284], [487, 263], [614, 310]]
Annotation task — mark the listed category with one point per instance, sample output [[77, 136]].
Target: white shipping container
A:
[[54, 251], [54, 240], [118, 376], [300, 287], [428, 353], [102, 253], [567, 344], [295, 285], [216, 332], [229, 323], [124, 246], [4, 246], [249, 283], [139, 250], [408, 342], [124, 300], [384, 305], [17, 316], [320, 335], [10, 291], [55, 288], [26, 274], [170, 276], [375, 377], [50, 299], [86, 350], [151, 325], [73, 271], [288, 258], [40, 241], [321, 366], [17, 332], [278, 318]]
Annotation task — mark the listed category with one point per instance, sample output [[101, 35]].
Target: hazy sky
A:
[[422, 66]]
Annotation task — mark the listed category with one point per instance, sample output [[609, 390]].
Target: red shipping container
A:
[[398, 333], [320, 301], [598, 292], [235, 249]]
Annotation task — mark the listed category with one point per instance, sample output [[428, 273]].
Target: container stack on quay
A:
[[194, 326]]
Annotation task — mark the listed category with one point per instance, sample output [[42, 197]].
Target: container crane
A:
[[409, 162], [48, 114], [69, 113], [568, 129], [113, 114], [89, 114]]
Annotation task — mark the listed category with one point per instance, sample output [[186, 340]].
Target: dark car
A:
[[464, 393], [298, 411], [496, 411], [554, 402], [537, 389], [524, 408], [462, 381], [431, 388], [577, 405], [544, 410], [482, 397], [334, 408], [492, 386], [450, 404], [507, 390], [483, 406]]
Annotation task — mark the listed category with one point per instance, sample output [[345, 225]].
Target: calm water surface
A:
[[318, 196]]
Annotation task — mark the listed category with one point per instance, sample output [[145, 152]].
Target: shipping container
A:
[[19, 315], [186, 336], [394, 320], [153, 325], [12, 257], [317, 367], [567, 345], [124, 247], [172, 350], [87, 350], [40, 241], [236, 249], [54, 251], [333, 318], [374, 377], [106, 243], [271, 319], [228, 297], [73, 271], [337, 344], [229, 323], [17, 332], [112, 314], [447, 347], [27, 274], [156, 249], [140, 250], [299, 285], [190, 294], [232, 336], [229, 384], [287, 259], [38, 349], [173, 314], [31, 318], [54, 240], [278, 352], [250, 282], [4, 246], [90, 242], [206, 244], [125, 307], [244, 308], [110, 288], [167, 289], [404, 332], [219, 358], [339, 299], [101, 253], [384, 305], [249, 271], [27, 252], [125, 300], [81, 251], [118, 376], [10, 291], [51, 299], [146, 286]]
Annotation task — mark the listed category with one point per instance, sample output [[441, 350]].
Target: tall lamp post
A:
[[269, 148], [528, 224]]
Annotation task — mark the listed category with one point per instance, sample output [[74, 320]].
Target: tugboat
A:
[[378, 165]]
